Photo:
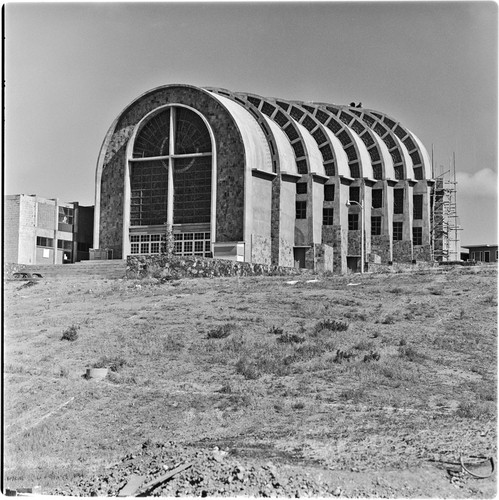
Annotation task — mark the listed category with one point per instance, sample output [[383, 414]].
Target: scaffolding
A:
[[445, 227]]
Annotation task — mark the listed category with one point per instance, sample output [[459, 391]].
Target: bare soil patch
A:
[[372, 385]]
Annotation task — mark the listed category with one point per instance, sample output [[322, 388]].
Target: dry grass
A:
[[345, 374]]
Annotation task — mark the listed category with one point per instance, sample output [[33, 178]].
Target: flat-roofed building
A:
[[46, 231], [482, 253]]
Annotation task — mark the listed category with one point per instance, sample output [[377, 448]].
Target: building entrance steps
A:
[[105, 269]]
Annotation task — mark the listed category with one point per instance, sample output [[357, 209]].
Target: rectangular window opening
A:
[[398, 201], [301, 188], [353, 222], [397, 231], [301, 209], [329, 192], [375, 226], [417, 236], [377, 198], [327, 216]]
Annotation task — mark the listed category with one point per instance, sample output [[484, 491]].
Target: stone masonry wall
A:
[[422, 253], [230, 163], [402, 251], [162, 266], [380, 245]]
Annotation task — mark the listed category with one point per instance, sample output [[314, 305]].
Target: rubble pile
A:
[[212, 472]]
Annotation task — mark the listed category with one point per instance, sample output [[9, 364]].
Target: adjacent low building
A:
[[482, 253], [263, 180], [46, 231]]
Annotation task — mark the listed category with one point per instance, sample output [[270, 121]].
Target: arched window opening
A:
[[170, 181]]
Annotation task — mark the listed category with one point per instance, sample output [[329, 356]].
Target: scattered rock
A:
[[213, 473]]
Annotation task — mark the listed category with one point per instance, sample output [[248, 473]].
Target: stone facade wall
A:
[[111, 204], [381, 245], [230, 163], [354, 239], [422, 253], [275, 220], [337, 237], [402, 251], [162, 266], [323, 257]]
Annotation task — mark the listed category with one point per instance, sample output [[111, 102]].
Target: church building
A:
[[264, 180]]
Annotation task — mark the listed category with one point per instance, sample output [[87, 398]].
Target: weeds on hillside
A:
[[410, 353], [275, 330], [114, 363], [221, 331], [71, 333], [290, 338], [332, 325]]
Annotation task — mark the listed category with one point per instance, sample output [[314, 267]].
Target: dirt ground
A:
[[364, 386]]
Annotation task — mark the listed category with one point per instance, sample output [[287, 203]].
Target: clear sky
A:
[[70, 68]]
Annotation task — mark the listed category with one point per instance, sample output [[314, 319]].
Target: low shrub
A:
[[289, 338], [372, 356], [275, 330], [221, 331], [114, 363], [389, 319], [364, 345], [343, 356], [247, 368], [332, 325], [71, 333], [478, 411], [410, 353], [354, 395]]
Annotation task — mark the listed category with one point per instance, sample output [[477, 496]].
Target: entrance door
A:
[[353, 264], [299, 257]]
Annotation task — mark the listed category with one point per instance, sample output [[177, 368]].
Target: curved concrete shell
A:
[[264, 180]]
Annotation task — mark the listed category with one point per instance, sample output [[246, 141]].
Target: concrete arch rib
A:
[[316, 130], [345, 135], [314, 154], [351, 117], [421, 168], [342, 168], [285, 151], [286, 124], [409, 165], [427, 166], [389, 171], [259, 117], [258, 155], [390, 139], [365, 158]]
